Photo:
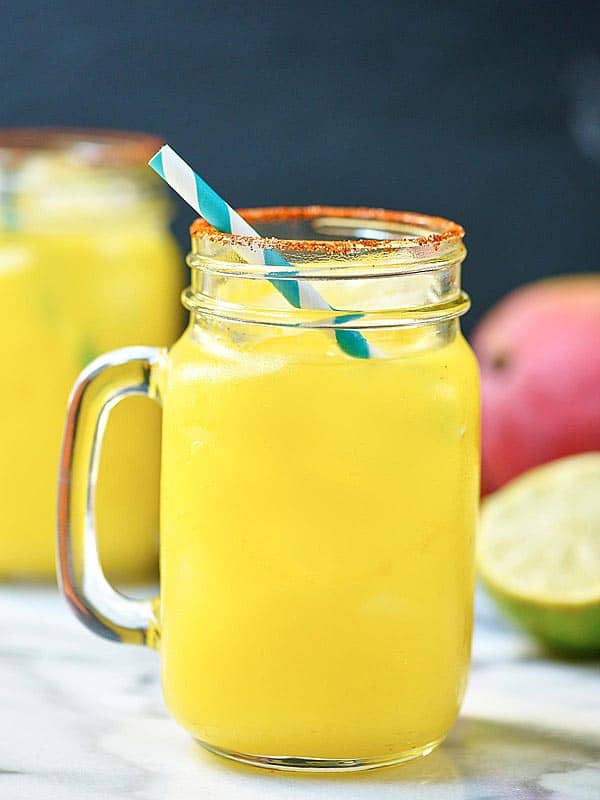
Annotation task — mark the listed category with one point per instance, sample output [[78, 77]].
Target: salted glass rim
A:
[[424, 244], [94, 146], [429, 232]]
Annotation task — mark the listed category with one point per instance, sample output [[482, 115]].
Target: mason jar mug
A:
[[319, 490], [87, 263]]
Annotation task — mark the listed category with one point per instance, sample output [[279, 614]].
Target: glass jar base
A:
[[302, 764]]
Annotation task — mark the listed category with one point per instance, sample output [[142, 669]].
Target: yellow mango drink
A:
[[86, 263], [317, 508]]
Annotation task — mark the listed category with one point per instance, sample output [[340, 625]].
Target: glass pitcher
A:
[[87, 263], [318, 508]]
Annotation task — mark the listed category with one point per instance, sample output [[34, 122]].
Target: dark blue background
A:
[[486, 112]]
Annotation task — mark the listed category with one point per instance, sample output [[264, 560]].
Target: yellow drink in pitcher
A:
[[86, 263], [319, 491], [317, 531]]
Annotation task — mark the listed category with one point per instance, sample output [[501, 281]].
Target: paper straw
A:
[[206, 202]]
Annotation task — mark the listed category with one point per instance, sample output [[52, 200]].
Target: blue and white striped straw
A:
[[203, 199]]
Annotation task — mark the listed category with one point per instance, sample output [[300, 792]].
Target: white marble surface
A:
[[83, 719]]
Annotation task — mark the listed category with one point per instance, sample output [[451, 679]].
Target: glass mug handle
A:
[[99, 388]]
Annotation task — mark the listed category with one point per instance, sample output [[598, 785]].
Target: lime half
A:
[[538, 551]]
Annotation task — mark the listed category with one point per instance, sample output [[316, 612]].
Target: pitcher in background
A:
[[87, 263]]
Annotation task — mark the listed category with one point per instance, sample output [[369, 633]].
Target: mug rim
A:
[[95, 146], [430, 231]]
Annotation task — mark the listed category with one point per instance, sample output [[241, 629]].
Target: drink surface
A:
[[76, 280], [317, 523]]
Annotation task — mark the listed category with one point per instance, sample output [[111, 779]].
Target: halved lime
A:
[[538, 551]]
